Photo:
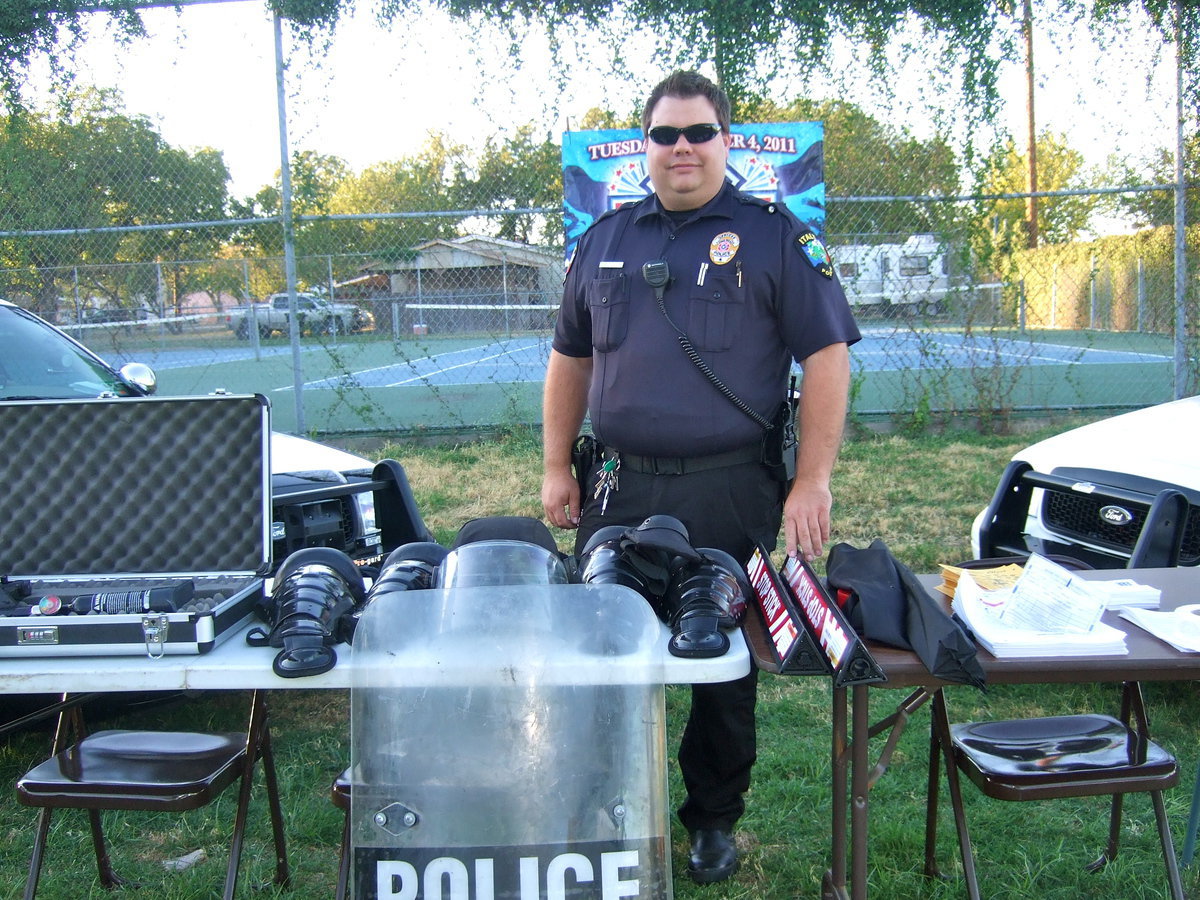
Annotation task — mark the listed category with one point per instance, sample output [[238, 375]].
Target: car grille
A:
[[1077, 516], [322, 523]]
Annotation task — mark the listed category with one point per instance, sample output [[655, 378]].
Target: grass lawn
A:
[[918, 493]]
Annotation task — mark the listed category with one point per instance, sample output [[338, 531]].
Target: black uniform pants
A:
[[728, 509]]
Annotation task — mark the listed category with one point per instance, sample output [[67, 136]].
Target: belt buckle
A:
[[672, 465]]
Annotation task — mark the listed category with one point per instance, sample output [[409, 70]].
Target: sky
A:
[[206, 77]]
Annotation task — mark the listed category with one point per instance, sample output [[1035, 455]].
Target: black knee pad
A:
[[315, 593], [705, 597]]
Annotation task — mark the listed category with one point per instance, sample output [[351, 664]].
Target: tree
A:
[[325, 186], [423, 183], [518, 173], [867, 158], [1004, 225], [51, 29], [596, 119], [91, 167], [747, 41], [315, 177], [1152, 209]]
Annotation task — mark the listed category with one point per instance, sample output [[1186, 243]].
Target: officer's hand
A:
[[560, 498], [806, 519]]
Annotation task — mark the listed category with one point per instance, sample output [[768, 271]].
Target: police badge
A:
[[724, 247]]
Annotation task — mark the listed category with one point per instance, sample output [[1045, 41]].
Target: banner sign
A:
[[783, 162], [851, 661], [792, 646], [809, 634]]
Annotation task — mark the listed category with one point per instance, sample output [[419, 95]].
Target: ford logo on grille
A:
[[1115, 515]]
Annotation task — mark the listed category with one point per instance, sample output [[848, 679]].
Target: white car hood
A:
[[294, 454], [1158, 442]]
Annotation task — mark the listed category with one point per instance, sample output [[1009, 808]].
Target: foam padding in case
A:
[[136, 485]]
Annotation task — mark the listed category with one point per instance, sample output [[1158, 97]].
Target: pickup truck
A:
[[317, 316]]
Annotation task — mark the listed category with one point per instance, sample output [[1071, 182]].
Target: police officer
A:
[[680, 318]]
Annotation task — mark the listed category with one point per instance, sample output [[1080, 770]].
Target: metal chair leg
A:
[[108, 877], [239, 827], [1168, 845], [941, 726], [1193, 825], [283, 876], [39, 851], [1113, 846], [258, 740]]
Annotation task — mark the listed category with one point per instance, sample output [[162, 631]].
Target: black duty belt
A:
[[684, 465]]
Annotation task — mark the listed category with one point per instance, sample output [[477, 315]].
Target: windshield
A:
[[38, 362]]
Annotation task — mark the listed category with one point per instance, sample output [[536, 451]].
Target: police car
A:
[[39, 361], [1121, 491]]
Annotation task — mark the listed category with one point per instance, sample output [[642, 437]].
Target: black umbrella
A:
[[885, 602]]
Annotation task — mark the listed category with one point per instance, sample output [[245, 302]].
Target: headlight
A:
[[365, 502]]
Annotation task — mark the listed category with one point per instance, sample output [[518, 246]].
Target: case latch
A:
[[154, 628]]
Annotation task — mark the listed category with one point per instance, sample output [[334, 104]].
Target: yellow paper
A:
[[992, 579]]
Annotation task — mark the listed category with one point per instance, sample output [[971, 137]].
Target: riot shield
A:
[[509, 742]]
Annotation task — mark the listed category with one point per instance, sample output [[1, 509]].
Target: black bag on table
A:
[[885, 602]]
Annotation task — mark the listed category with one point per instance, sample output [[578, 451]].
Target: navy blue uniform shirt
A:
[[743, 290]]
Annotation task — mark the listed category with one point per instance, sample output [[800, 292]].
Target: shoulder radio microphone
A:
[[657, 273]]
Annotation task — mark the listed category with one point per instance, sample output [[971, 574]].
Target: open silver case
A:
[[122, 495]]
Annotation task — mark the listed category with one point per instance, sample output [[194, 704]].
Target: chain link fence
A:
[[427, 284]]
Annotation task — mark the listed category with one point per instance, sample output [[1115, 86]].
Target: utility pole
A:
[[1181, 354], [1031, 205]]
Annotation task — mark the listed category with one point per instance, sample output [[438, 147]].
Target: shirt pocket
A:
[[608, 304], [715, 311]]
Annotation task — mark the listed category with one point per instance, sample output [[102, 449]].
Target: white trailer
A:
[[913, 276]]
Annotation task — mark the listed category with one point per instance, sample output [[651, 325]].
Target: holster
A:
[[584, 454], [779, 443]]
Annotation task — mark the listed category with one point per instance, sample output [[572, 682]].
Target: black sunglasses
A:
[[668, 135]]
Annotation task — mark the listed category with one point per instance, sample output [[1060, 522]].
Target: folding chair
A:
[[1048, 758], [151, 771]]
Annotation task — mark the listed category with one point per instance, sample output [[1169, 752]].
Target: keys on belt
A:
[[607, 481]]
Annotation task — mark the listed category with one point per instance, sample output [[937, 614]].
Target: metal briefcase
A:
[[110, 498]]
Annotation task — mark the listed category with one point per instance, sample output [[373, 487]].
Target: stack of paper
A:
[[1047, 612], [1125, 593], [1180, 628], [990, 579]]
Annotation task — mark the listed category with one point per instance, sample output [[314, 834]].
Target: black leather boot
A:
[[714, 855]]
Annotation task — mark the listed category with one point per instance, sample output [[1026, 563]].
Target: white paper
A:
[[1179, 628], [1051, 599], [982, 611], [1124, 593]]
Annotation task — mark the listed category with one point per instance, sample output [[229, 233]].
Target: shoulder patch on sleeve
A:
[[814, 253]]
